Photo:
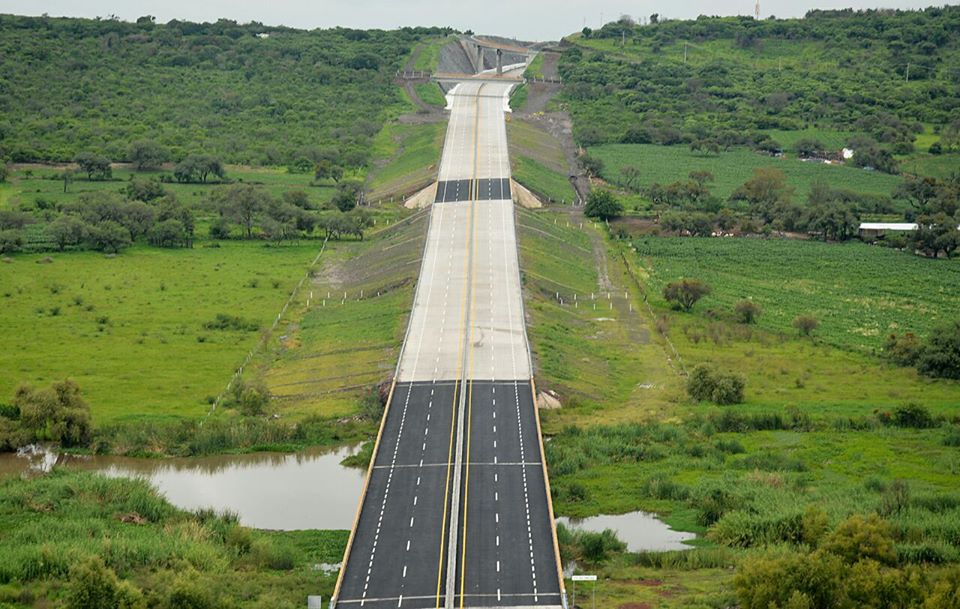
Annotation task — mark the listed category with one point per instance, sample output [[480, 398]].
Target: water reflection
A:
[[642, 532], [306, 490]]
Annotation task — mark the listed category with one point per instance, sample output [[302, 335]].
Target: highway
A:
[[456, 511]]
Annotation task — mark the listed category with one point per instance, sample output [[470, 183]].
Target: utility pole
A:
[[907, 79], [684, 52]]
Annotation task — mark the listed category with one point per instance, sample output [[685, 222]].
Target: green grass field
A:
[[857, 291], [33, 182], [939, 166], [129, 329], [628, 438], [665, 164]]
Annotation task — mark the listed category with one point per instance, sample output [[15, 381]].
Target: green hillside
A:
[[249, 94]]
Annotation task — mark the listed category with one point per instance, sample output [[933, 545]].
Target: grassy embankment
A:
[[327, 358], [408, 158], [628, 438], [52, 526], [537, 161]]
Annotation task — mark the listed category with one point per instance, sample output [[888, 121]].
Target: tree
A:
[[168, 233], [707, 384], [809, 148], [655, 18], [747, 311], [138, 218], [11, 241], [4, 171], [327, 170], [147, 154], [767, 187], [805, 324], [144, 190], [67, 175], [631, 177], [874, 157], [243, 204], [940, 356], [935, 234], [57, 414], [109, 236], [591, 165], [66, 230], [601, 204], [172, 209], [199, 167], [96, 166], [685, 293], [346, 196]]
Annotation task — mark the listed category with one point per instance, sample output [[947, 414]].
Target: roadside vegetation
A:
[[81, 540], [828, 431]]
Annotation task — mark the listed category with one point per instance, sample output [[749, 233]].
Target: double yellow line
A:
[[470, 276]]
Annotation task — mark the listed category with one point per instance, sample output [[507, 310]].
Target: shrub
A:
[[705, 384], [904, 350], [230, 322], [95, 586], [58, 414], [913, 416], [857, 538], [747, 311], [601, 204], [805, 324], [685, 293], [940, 357]]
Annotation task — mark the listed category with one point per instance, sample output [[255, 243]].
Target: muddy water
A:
[[307, 490], [642, 532]]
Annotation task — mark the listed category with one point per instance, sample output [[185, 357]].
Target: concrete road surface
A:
[[456, 512]]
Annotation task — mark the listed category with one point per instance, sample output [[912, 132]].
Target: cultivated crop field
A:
[[665, 164], [859, 293]]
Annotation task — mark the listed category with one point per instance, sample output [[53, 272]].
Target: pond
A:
[[305, 490], [642, 532]]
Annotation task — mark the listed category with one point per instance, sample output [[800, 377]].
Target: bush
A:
[[95, 586], [805, 324], [706, 384], [857, 538], [913, 416], [230, 322], [685, 293], [58, 414], [940, 357], [904, 350], [747, 311], [601, 204]]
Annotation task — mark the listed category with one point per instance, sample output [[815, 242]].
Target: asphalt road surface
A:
[[456, 511]]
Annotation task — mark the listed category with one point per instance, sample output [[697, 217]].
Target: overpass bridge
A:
[[456, 510]]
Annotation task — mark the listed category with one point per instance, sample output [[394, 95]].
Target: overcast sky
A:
[[525, 19]]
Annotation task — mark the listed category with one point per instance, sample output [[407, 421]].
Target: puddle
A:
[[306, 490], [642, 532]]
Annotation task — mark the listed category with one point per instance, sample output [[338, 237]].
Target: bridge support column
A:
[[499, 62]]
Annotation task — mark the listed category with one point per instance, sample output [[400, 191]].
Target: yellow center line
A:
[[473, 281], [458, 387]]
